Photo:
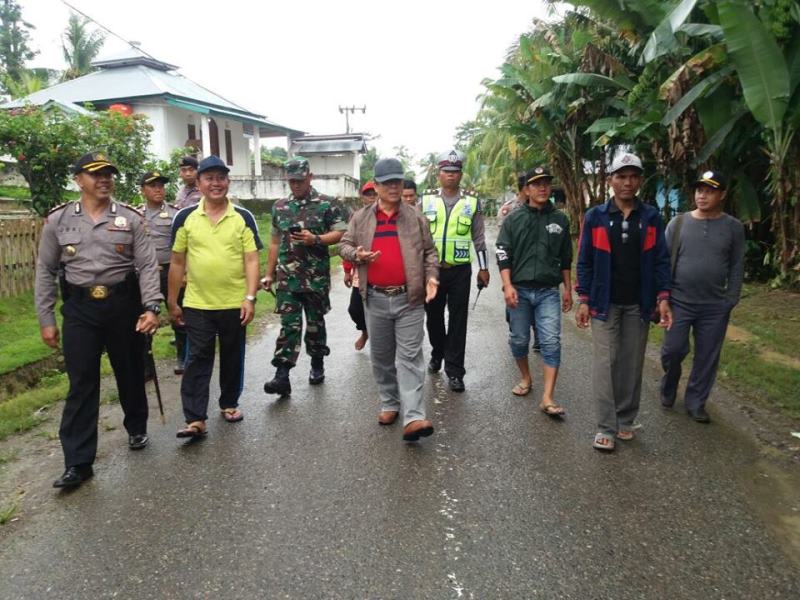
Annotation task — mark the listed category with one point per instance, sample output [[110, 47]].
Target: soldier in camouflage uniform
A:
[[303, 226]]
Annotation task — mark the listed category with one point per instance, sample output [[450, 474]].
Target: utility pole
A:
[[347, 111]]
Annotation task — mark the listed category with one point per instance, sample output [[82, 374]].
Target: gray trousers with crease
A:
[[396, 332]]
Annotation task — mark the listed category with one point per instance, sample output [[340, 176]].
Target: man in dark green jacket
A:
[[534, 253]]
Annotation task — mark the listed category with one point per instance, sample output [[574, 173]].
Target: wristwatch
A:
[[250, 298], [317, 240], [153, 308]]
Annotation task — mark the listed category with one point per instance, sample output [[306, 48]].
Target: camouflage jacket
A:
[[303, 268]]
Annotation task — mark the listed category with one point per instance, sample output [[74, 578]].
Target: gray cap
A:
[[622, 161], [452, 160], [387, 169]]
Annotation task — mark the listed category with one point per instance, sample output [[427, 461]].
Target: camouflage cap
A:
[[297, 168]]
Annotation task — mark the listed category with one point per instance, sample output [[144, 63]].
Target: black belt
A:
[[389, 290], [97, 292], [448, 266]]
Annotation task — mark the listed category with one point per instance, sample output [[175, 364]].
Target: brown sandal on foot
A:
[[195, 429], [522, 389], [232, 415], [552, 410]]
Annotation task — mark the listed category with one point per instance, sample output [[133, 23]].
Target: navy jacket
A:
[[593, 282]]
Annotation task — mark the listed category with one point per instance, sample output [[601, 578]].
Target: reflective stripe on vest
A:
[[451, 233]]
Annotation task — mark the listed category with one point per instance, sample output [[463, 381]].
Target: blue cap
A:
[[212, 162]]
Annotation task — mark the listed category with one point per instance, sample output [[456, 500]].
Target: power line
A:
[[101, 26], [349, 110]]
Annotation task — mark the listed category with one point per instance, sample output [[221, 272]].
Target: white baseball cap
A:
[[622, 161]]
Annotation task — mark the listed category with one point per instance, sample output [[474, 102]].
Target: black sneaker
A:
[[434, 366], [138, 441], [699, 414], [456, 384]]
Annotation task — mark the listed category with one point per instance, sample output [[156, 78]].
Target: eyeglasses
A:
[[624, 231]]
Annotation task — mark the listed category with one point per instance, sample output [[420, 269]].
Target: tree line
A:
[[686, 84]]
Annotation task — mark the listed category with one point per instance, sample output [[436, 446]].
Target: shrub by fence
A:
[[19, 242]]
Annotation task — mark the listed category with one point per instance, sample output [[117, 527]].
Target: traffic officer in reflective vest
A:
[[96, 246], [157, 216], [456, 225]]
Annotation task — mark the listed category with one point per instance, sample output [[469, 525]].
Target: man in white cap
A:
[[456, 224], [622, 278]]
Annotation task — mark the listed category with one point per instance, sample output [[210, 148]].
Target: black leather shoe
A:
[[74, 476], [138, 441], [666, 403], [434, 366], [456, 384], [699, 414]]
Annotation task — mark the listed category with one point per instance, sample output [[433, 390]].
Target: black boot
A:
[[280, 383], [317, 374]]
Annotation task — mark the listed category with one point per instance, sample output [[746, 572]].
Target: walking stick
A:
[[155, 377], [480, 289]]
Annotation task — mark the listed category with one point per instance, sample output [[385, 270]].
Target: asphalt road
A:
[[310, 498]]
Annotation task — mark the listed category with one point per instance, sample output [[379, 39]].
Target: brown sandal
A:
[[232, 415], [195, 429], [626, 435], [552, 410]]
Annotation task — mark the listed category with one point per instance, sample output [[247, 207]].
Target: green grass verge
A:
[[17, 192], [29, 409], [20, 342]]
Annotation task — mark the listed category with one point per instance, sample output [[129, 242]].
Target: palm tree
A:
[[80, 47]]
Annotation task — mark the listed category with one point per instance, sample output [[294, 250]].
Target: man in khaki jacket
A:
[[391, 244]]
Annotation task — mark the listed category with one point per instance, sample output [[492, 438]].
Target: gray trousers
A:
[[619, 345], [396, 331], [708, 323]]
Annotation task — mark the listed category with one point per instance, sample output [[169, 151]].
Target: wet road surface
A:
[[309, 498]]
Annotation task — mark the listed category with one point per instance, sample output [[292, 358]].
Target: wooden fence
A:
[[19, 242]]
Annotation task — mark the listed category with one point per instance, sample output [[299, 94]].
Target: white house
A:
[[331, 154]]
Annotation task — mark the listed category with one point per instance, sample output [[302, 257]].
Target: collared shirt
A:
[[304, 268], [215, 274], [626, 250], [187, 196], [102, 252], [388, 270], [158, 223]]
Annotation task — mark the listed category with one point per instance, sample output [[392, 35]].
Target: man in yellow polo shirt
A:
[[215, 244]]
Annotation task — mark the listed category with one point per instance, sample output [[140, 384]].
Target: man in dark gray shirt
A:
[[707, 246]]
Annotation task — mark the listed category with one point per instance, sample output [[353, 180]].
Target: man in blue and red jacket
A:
[[623, 276]]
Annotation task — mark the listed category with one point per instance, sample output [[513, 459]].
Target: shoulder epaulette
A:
[[59, 207], [135, 209], [172, 206]]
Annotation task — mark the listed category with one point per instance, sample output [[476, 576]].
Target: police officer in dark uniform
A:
[[96, 246], [157, 216]]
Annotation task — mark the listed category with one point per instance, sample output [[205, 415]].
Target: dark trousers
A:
[[453, 294], [356, 309], [708, 323], [202, 329], [90, 326]]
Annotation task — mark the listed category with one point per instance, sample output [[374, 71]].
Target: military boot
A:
[[317, 374], [280, 383]]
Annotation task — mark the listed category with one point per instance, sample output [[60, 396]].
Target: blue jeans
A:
[[540, 308]]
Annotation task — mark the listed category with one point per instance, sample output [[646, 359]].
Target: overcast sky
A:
[[416, 65]]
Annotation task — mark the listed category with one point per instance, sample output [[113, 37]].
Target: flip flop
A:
[[196, 429], [522, 389], [603, 441], [626, 435], [232, 415], [552, 410]]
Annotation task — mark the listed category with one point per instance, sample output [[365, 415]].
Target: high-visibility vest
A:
[[451, 233]]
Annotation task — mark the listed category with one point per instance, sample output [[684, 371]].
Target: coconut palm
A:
[[80, 46]]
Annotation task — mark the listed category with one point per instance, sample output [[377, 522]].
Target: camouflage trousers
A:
[[290, 306]]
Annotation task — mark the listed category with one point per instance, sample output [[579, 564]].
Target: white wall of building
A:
[[336, 164], [273, 188]]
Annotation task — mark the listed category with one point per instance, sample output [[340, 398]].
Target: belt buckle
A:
[[98, 292], [394, 290]]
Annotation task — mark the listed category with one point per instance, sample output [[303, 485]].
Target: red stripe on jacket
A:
[[600, 239]]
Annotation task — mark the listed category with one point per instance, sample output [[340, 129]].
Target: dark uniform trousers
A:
[[202, 329], [89, 327], [356, 309], [453, 293]]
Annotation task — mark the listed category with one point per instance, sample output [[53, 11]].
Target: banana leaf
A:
[[662, 40], [693, 94], [716, 140], [759, 63], [593, 79]]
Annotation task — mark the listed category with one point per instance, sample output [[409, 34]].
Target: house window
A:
[[228, 147], [192, 131], [213, 134]]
